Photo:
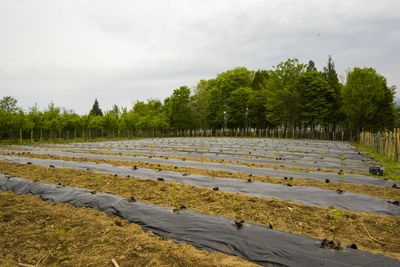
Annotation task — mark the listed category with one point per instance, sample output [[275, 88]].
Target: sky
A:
[[120, 51]]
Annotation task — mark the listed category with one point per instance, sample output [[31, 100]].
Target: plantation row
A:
[[292, 100]]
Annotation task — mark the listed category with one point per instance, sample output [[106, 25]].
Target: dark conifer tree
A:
[[96, 109]]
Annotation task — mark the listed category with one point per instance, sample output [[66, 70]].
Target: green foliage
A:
[[96, 111], [180, 113], [315, 98], [8, 104], [334, 216], [367, 100], [311, 66], [283, 96], [336, 112]]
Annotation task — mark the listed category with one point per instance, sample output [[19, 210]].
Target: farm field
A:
[[267, 201]]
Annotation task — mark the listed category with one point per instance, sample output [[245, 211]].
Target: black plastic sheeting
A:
[[308, 148], [321, 176], [214, 233], [306, 195], [321, 162]]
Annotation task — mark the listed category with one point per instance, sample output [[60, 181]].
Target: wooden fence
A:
[[386, 143]]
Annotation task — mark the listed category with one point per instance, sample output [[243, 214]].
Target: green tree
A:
[[237, 108], [51, 116], [367, 100], [215, 108], [259, 80], [180, 113], [282, 94], [315, 99], [336, 112], [96, 109], [311, 66], [199, 102], [8, 104]]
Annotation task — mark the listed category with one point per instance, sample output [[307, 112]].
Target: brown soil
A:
[[374, 233], [374, 191], [33, 231]]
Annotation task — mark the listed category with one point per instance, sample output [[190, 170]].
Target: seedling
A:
[[334, 215]]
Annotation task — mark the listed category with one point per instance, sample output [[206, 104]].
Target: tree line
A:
[[292, 98]]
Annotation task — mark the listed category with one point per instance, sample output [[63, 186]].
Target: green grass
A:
[[391, 167]]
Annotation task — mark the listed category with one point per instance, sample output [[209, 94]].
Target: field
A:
[[223, 201]]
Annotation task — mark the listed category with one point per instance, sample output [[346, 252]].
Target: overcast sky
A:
[[72, 52]]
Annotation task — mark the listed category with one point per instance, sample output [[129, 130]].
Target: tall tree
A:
[[180, 112], [199, 102], [96, 109], [237, 108], [367, 100], [259, 80], [8, 104], [283, 97], [315, 99], [336, 112], [311, 66]]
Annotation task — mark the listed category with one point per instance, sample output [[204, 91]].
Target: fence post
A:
[[386, 144], [398, 144], [394, 144]]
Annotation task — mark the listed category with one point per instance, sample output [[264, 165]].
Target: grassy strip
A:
[[387, 163], [34, 231], [374, 191], [374, 233]]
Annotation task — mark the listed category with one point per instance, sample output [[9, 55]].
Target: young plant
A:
[[334, 216]]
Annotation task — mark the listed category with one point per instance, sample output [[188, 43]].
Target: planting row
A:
[[306, 195], [339, 177]]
